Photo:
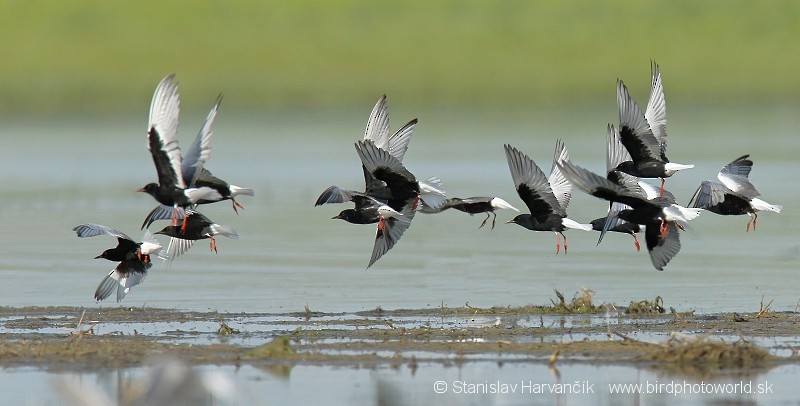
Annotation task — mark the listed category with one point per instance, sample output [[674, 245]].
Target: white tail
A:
[[681, 214], [236, 191], [759, 204], [224, 230], [672, 167], [202, 193], [569, 223], [431, 192], [499, 203]]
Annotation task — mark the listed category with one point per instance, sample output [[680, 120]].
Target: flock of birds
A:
[[392, 195], [183, 184]]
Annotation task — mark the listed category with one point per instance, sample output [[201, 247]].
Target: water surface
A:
[[58, 173]]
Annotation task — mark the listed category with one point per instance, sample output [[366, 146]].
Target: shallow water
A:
[[59, 173], [468, 383], [292, 254]]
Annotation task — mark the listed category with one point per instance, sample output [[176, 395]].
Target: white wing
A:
[[377, 129], [559, 184], [656, 113], [93, 230], [163, 127], [199, 151]]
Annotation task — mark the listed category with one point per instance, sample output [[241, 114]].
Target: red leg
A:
[[236, 204], [416, 202], [484, 220], [183, 226], [558, 243], [635, 241], [663, 229], [755, 219], [565, 245], [381, 223], [661, 191], [174, 216], [212, 243], [494, 220]]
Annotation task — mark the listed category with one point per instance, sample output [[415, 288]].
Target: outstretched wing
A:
[[634, 132], [662, 250], [162, 133], [391, 231], [740, 166], [601, 187], [92, 230], [531, 184], [616, 153], [335, 194], [612, 219], [377, 129], [199, 152], [708, 194], [161, 212], [559, 184], [121, 279], [388, 169], [656, 113], [398, 142]]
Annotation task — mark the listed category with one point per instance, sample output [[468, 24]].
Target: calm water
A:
[[58, 173]]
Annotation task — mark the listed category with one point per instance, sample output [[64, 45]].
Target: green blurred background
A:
[[60, 57]]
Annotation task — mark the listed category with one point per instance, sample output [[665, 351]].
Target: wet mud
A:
[[564, 331]]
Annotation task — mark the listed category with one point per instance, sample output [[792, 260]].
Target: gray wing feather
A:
[[373, 157], [666, 248], [616, 153], [612, 220], [335, 194], [398, 142], [92, 230], [122, 278], [175, 248], [708, 194], [107, 285], [562, 189], [393, 230], [589, 181], [160, 212], [164, 110], [740, 167], [524, 171], [738, 185], [656, 113], [199, 152], [377, 129], [630, 115]]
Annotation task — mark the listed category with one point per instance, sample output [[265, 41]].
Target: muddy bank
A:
[[565, 331]]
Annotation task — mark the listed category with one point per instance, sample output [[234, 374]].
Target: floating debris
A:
[[682, 348], [226, 330], [655, 306]]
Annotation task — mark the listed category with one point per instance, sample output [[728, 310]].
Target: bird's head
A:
[[345, 215], [150, 188], [172, 231], [105, 254], [597, 224], [520, 219]]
